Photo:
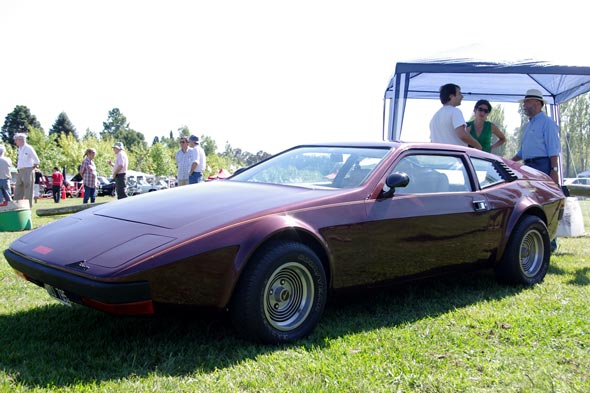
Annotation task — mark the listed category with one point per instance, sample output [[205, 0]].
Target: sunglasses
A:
[[482, 109]]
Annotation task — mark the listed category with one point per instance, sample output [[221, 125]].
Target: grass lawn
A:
[[462, 333]]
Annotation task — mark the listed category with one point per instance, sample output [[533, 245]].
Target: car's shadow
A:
[[60, 346]]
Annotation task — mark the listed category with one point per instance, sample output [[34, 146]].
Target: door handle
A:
[[480, 205]]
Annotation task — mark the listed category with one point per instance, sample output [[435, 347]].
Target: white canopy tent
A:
[[480, 78]]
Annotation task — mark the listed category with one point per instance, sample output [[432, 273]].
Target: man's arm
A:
[[466, 137]]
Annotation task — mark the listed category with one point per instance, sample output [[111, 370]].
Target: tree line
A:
[[62, 147]]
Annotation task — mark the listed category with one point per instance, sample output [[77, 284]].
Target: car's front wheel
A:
[[526, 259], [281, 294]]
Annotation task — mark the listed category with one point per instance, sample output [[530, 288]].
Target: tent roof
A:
[[492, 80], [497, 80]]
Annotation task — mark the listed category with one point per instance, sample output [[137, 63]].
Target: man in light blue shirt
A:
[[540, 146]]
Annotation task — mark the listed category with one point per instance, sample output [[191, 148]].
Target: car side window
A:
[[487, 173], [431, 173]]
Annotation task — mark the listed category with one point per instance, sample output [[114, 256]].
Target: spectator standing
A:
[[448, 124], [89, 176], [119, 169], [186, 159], [37, 185], [5, 176], [196, 174], [57, 181], [481, 129], [27, 159], [540, 146]]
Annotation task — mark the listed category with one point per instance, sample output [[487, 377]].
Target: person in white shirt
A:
[[448, 124], [196, 174], [119, 169], [27, 159], [5, 176], [186, 159]]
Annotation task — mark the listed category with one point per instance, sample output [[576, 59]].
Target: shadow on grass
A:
[[59, 346]]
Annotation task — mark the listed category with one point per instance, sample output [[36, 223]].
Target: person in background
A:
[[185, 161], [5, 176], [540, 145], [37, 184], [89, 176], [481, 129], [196, 174], [119, 169], [27, 159], [57, 180], [448, 124]]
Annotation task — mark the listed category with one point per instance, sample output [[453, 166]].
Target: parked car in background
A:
[[270, 244], [106, 187], [577, 180], [132, 187], [148, 187]]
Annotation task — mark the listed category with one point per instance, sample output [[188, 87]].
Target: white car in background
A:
[[577, 180]]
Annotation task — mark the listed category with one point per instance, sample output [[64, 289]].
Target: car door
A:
[[439, 219]]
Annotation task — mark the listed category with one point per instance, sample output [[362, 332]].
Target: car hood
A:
[[111, 235], [208, 204]]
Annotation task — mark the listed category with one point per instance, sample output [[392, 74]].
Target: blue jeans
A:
[[5, 191], [56, 193], [195, 178], [89, 193], [542, 164]]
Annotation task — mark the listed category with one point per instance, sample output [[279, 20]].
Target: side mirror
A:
[[394, 180]]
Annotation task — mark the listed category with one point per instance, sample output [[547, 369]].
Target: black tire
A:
[[281, 294], [526, 258]]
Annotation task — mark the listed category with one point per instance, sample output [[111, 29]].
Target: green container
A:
[[15, 220]]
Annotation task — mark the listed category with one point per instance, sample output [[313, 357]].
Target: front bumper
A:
[[79, 287]]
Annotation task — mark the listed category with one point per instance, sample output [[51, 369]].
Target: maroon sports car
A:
[[272, 242]]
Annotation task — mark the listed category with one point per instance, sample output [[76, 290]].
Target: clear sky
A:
[[263, 75]]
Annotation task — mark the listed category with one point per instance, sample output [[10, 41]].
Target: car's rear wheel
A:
[[281, 294], [526, 259]]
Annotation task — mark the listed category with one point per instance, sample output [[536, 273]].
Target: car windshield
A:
[[317, 167]]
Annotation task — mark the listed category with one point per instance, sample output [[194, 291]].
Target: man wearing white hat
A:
[[540, 146], [119, 169]]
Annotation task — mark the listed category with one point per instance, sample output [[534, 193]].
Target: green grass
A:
[[461, 333]]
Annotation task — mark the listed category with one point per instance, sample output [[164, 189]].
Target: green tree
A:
[[19, 120], [117, 128], [50, 154], [161, 157], [116, 122], [208, 144], [89, 135], [575, 134], [63, 125]]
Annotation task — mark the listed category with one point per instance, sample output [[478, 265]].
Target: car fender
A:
[[274, 227], [525, 206]]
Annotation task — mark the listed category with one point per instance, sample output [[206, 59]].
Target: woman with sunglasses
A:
[[482, 130]]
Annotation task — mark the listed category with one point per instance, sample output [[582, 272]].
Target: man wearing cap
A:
[[540, 146], [186, 159], [448, 124], [196, 174], [119, 169], [27, 159]]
